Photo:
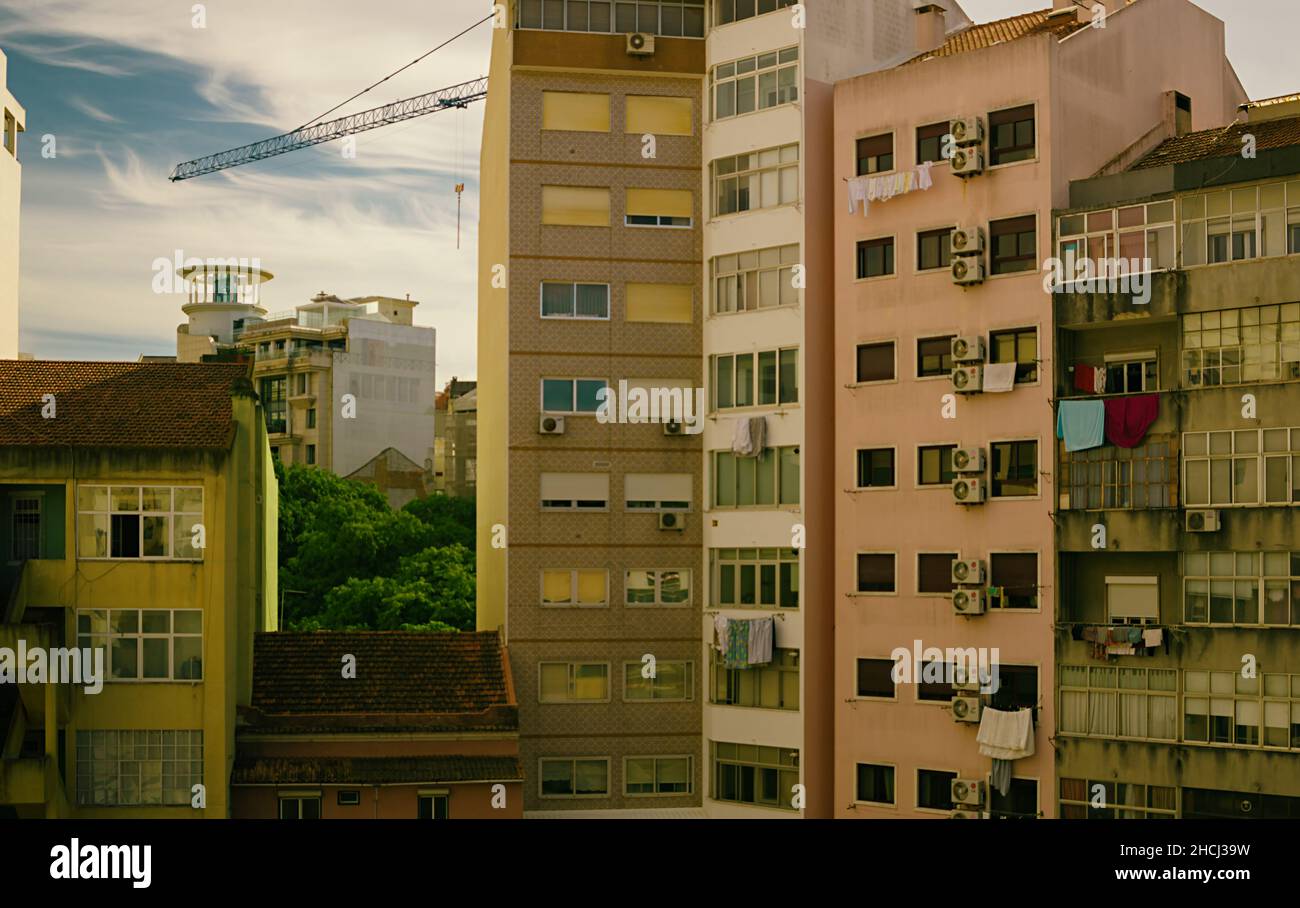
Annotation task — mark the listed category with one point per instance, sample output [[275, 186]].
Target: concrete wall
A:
[[11, 175]]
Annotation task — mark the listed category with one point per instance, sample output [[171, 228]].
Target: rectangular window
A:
[[1144, 233], [934, 356], [670, 18], [657, 491], [1015, 469], [754, 774], [1020, 346], [299, 807], [1108, 701], [774, 685], [875, 258], [661, 586], [348, 798], [875, 784], [659, 208], [934, 249], [934, 465], [130, 768], [587, 588], [575, 206], [756, 578], [1242, 588], [1132, 600], [1014, 245], [735, 10], [759, 279], [659, 115], [1015, 576], [644, 776], [1011, 135], [434, 807], [145, 522], [938, 689], [756, 83], [311, 454], [1241, 346], [875, 362], [1247, 467], [275, 403], [26, 528], [671, 681], [876, 573], [575, 491], [768, 480], [1119, 800], [568, 299], [876, 678], [759, 179], [737, 382], [662, 303], [572, 395], [575, 111], [574, 777], [1227, 708], [1019, 803], [934, 789], [311, 417], [876, 468], [875, 154], [934, 572], [929, 142], [572, 682], [1120, 478], [145, 644], [1132, 373]]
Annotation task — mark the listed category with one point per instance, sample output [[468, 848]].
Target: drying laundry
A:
[[737, 655], [1089, 379], [999, 377], [1006, 735], [1153, 636], [749, 438], [760, 641], [1128, 418], [1000, 776], [864, 190], [1082, 423], [858, 194], [720, 632]]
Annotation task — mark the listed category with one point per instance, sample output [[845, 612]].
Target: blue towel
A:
[[1082, 423]]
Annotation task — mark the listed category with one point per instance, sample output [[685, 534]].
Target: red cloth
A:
[[1085, 379], [1128, 418]]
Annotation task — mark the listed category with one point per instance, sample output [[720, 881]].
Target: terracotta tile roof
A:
[[402, 679], [119, 405], [374, 770], [1224, 142], [1002, 31]]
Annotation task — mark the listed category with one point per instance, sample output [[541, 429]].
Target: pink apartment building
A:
[[1046, 97]]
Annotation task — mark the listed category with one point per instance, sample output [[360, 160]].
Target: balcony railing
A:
[[1115, 478]]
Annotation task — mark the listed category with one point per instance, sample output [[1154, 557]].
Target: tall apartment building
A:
[[1031, 102], [1200, 550], [11, 183]]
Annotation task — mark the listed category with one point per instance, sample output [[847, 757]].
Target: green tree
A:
[[453, 519], [431, 590]]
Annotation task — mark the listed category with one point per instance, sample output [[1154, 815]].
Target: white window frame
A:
[[636, 666], [1089, 690], [1261, 578], [1271, 319], [657, 574], [893, 768], [107, 636], [785, 278], [1259, 455], [541, 296], [573, 777], [778, 404], [573, 588], [1038, 469], [754, 74], [182, 768], [857, 472], [757, 172], [690, 776], [916, 792], [858, 696], [573, 683], [573, 397], [717, 561], [171, 514]]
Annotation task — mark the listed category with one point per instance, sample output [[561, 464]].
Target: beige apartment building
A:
[[11, 182]]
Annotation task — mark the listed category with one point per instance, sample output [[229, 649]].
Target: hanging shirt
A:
[[1128, 418]]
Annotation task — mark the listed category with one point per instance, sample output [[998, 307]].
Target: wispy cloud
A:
[[92, 111]]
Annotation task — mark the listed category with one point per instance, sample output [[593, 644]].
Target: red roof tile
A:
[[412, 770], [1224, 142], [1002, 31]]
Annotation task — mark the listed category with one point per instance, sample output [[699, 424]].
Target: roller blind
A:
[[1133, 597], [575, 206], [575, 111], [671, 203], [575, 487], [657, 487], [660, 303], [659, 116]]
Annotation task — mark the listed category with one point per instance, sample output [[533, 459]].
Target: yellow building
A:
[[11, 175], [138, 517]]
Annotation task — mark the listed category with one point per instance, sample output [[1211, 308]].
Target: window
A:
[[1112, 702], [26, 527], [659, 208], [145, 644], [1248, 588], [875, 258], [875, 154], [575, 111], [876, 678], [934, 356], [348, 798], [587, 588], [1020, 346], [1011, 135], [275, 403], [1141, 233], [659, 115], [760, 179], [575, 491], [299, 807], [1227, 469], [1209, 804], [575, 777], [575, 206], [147, 522], [1119, 800], [934, 249], [771, 686], [1132, 373], [756, 578], [657, 491], [663, 586], [1014, 245], [572, 395], [670, 18], [300, 383], [570, 682], [1132, 600], [876, 468], [120, 767], [311, 417], [434, 807], [657, 776], [662, 303], [1231, 225], [671, 681], [769, 480], [934, 465], [311, 454], [875, 784], [1226, 708], [934, 683], [1115, 477], [1015, 469], [934, 572], [1016, 688], [875, 362], [735, 10], [766, 378], [566, 299], [876, 573], [760, 279], [929, 142], [756, 83], [753, 774], [1016, 574], [934, 789], [1234, 346], [1019, 803]]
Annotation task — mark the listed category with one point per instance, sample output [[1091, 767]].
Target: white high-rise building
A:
[[11, 179]]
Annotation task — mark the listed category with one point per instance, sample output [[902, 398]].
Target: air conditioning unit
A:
[[965, 815], [673, 427], [640, 44], [968, 570], [968, 270], [969, 602], [969, 490], [671, 520], [967, 240], [968, 379], [1203, 522], [966, 709], [551, 425], [967, 162], [968, 349], [968, 792], [966, 130], [968, 460], [972, 685]]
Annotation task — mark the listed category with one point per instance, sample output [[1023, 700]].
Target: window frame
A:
[[858, 159], [942, 374], [37, 496], [955, 773], [916, 564], [755, 391], [739, 278], [1038, 469], [171, 515], [573, 588], [541, 301], [573, 777], [721, 675], [1016, 332], [523, 8], [636, 666], [893, 469], [945, 234], [1115, 690], [916, 147], [720, 5], [573, 382], [893, 778], [994, 151], [996, 262], [572, 683], [718, 561], [857, 687], [1038, 581], [778, 490], [1261, 577], [858, 380], [919, 475], [717, 178], [106, 637], [658, 586], [889, 258], [857, 570], [690, 776], [753, 74]]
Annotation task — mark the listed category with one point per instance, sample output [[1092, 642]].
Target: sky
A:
[[130, 88]]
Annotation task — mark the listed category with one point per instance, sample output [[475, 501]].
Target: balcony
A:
[[1132, 491]]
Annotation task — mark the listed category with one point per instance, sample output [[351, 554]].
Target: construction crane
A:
[[455, 96]]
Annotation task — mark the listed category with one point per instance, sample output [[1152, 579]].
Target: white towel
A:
[[1153, 636], [858, 193], [758, 434], [720, 632], [923, 175], [1006, 735], [760, 641], [741, 443], [999, 377]]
